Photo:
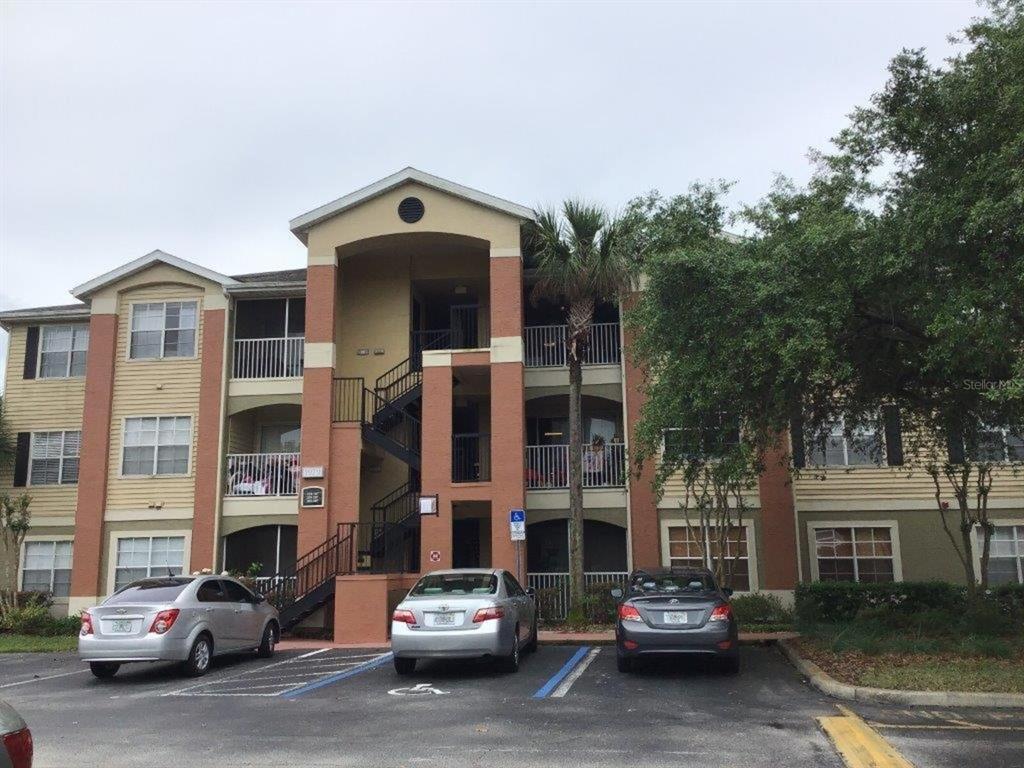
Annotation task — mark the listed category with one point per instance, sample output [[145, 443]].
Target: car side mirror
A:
[[259, 599], [617, 593], [727, 591]]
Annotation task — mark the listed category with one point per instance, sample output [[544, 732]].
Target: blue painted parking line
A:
[[561, 674], [364, 667]]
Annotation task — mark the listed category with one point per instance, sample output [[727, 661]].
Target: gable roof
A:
[[54, 313], [300, 225], [141, 263]]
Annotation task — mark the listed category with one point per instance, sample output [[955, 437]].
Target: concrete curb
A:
[[832, 687]]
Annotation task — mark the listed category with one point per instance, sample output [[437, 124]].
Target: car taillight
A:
[[629, 613], [493, 612], [164, 621], [406, 617], [19, 748], [86, 624], [721, 613]]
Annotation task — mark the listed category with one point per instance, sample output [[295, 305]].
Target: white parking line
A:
[[205, 683], [565, 685], [46, 677]]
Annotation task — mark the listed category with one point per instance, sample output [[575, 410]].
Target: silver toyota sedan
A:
[[461, 614], [189, 619]]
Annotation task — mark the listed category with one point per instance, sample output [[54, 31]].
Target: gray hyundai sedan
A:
[[675, 611], [189, 619], [462, 614]]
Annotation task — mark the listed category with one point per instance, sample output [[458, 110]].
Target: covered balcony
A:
[[547, 449], [269, 336], [263, 453], [545, 331], [471, 419]]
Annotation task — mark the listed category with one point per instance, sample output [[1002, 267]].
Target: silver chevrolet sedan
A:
[[464, 613], [15, 739], [189, 619]]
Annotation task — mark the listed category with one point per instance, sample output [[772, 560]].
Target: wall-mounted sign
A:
[[517, 524], [312, 472], [428, 505], [313, 496], [435, 556]]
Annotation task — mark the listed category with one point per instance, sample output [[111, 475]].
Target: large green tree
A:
[[579, 263], [890, 287]]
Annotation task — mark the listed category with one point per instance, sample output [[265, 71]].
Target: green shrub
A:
[[760, 609], [831, 601], [34, 618]]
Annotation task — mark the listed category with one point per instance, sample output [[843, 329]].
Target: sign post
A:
[[517, 533]]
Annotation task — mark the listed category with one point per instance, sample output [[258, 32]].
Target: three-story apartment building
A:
[[295, 426]]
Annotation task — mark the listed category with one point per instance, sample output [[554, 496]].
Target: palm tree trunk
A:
[[581, 315]]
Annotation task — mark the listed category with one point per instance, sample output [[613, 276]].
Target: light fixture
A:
[[552, 434], [461, 289]]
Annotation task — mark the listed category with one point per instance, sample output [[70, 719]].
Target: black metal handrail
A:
[[334, 557], [387, 547], [394, 423], [408, 374], [347, 399], [396, 506], [471, 457]]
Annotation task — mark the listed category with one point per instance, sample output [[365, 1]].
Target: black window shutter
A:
[[796, 436], [21, 459], [893, 436], [956, 449], [31, 351]]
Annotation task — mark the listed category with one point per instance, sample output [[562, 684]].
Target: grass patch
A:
[[11, 643]]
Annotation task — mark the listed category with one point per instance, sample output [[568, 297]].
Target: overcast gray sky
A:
[[201, 128]]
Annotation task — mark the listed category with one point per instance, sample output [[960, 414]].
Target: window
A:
[[211, 591], [166, 329], [998, 444], [715, 438], [156, 445], [236, 593], [1006, 555], [151, 591], [456, 584], [47, 567], [684, 551], [63, 350], [144, 556], [53, 458], [280, 438], [863, 446], [855, 553]]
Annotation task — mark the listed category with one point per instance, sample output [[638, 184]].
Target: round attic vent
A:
[[410, 210]]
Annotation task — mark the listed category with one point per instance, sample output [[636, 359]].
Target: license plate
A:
[[444, 619], [676, 617], [121, 626]]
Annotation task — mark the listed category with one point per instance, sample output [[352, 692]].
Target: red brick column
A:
[[644, 531], [208, 447], [508, 408], [436, 467], [778, 521], [317, 397], [86, 579]]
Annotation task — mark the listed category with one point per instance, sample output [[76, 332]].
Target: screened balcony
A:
[[603, 461], [269, 338], [263, 457]]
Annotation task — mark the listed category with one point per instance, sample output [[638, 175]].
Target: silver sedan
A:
[[15, 739], [464, 613], [189, 619]]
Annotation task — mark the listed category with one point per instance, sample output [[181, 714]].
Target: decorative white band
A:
[[322, 260], [497, 253], [437, 358], [103, 305], [318, 354], [507, 349]]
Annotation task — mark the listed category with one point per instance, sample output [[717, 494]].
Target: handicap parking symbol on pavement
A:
[[420, 689]]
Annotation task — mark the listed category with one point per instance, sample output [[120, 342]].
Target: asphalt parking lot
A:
[[566, 706]]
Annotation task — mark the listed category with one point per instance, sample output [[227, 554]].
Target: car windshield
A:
[[673, 582], [150, 591], [456, 584]]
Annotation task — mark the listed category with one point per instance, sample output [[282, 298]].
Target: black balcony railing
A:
[[471, 457]]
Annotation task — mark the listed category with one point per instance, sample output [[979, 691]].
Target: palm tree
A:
[[578, 263]]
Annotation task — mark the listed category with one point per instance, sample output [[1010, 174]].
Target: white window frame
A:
[[976, 546], [191, 442], [44, 538], [838, 429], [60, 471], [748, 527], [163, 331], [1004, 432], [894, 534], [116, 535], [75, 329]]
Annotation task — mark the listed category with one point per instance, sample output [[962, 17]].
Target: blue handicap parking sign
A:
[[517, 516]]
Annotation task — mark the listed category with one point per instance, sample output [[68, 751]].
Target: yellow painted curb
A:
[[859, 744]]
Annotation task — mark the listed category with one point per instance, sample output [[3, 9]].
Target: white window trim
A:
[[894, 533], [191, 443], [748, 527], [1004, 432], [116, 535], [163, 332], [976, 544], [883, 457], [60, 476], [44, 538], [39, 352]]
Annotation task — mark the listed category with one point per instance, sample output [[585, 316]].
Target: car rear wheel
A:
[[405, 666], [266, 649], [511, 662], [198, 661], [104, 670], [623, 663]]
